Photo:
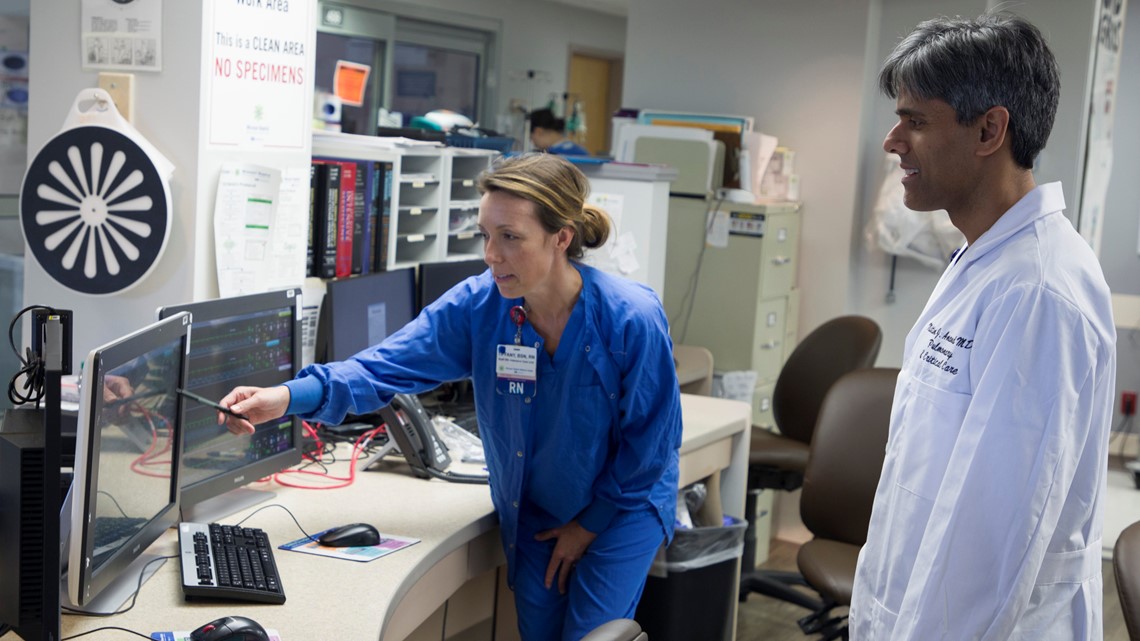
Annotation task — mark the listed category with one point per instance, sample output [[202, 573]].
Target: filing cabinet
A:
[[739, 301]]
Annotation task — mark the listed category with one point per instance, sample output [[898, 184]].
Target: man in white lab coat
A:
[[987, 517]]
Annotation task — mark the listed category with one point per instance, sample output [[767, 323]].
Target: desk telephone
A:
[[410, 427]]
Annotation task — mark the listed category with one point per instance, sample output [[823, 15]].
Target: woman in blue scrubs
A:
[[575, 392]]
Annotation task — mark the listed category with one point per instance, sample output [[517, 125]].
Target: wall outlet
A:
[[1128, 403], [121, 86]]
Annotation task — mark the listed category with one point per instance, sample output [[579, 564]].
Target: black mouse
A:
[[353, 535], [230, 629]]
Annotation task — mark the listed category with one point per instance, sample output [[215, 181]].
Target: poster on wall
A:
[[13, 101], [1102, 112], [121, 34], [258, 78]]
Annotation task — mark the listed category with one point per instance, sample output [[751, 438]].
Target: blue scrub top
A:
[[567, 147], [602, 431]]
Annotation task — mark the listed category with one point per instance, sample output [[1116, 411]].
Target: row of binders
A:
[[350, 211]]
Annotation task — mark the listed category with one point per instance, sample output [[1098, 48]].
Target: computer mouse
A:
[[230, 629], [352, 535]]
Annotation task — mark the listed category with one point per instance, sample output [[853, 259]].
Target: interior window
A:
[[428, 78]]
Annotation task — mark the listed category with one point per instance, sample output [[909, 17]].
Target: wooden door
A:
[[590, 83]]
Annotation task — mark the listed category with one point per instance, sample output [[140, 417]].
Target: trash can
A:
[[690, 592]]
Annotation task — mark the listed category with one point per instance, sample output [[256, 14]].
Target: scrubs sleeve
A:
[[649, 422], [434, 348], [1030, 427]]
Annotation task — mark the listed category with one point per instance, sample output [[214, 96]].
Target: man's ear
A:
[[992, 126]]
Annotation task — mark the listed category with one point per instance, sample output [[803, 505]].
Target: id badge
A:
[[516, 370]]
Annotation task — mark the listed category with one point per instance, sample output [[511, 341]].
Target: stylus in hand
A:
[[205, 401]]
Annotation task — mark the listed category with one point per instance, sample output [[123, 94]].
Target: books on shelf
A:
[[349, 203]]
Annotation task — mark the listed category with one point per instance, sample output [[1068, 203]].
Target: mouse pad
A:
[[388, 544], [185, 636]]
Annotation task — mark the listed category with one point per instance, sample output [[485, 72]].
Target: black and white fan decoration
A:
[[95, 203]]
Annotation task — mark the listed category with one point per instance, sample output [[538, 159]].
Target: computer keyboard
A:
[[228, 562]]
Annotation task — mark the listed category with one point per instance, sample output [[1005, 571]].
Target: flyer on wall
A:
[[121, 34]]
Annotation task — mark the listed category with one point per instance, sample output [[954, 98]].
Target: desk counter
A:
[[390, 597]]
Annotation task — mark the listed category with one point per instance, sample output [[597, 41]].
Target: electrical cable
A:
[[266, 507], [688, 301], [134, 596], [106, 627], [31, 366]]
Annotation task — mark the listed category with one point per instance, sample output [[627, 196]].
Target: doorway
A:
[[594, 83]]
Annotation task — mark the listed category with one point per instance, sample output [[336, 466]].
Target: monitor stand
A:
[[118, 591], [215, 509]]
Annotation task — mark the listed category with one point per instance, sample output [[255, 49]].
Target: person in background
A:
[[987, 519], [582, 426], [548, 133]]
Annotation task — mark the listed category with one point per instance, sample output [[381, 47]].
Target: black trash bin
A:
[[690, 594]]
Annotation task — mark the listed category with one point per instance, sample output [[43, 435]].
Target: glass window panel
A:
[[332, 47], [429, 78]]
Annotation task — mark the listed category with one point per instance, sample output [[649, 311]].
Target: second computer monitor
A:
[[245, 340], [437, 278], [125, 495], [361, 311]]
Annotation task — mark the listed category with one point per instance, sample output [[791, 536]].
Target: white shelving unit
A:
[[434, 201], [417, 225], [463, 241]]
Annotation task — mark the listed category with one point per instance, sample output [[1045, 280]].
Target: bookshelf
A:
[[425, 198]]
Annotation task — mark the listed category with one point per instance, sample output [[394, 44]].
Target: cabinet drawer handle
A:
[[770, 345], [781, 260]]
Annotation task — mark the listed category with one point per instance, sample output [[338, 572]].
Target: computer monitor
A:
[[244, 340], [437, 278], [361, 311], [123, 496]]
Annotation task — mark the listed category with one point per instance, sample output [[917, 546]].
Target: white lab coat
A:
[[987, 518]]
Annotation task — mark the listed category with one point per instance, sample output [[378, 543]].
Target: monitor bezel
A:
[[215, 309], [84, 583], [326, 330], [442, 267]]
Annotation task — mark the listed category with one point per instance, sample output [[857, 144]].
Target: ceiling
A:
[[612, 7]]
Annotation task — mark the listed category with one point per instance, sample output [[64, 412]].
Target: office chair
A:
[[1126, 569], [840, 345], [777, 461], [617, 630], [840, 480]]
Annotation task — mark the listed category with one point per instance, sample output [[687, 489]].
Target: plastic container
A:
[[690, 592]]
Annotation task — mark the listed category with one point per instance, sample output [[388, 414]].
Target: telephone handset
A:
[[410, 427]]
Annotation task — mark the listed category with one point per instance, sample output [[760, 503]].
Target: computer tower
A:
[[29, 533]]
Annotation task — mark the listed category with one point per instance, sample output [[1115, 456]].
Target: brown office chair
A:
[[1126, 569], [777, 461], [617, 630], [840, 480]]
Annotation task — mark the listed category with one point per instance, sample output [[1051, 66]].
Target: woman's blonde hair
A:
[[559, 189]]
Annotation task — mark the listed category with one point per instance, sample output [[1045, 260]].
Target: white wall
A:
[[797, 67], [165, 113]]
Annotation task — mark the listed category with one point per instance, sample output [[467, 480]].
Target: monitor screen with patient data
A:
[[243, 340]]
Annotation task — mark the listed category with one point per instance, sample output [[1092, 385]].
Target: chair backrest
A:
[[1126, 568], [838, 346], [617, 630], [847, 455]]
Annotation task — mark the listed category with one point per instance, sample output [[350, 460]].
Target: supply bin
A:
[[691, 591]]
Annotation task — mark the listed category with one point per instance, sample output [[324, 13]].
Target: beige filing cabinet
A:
[[744, 304]]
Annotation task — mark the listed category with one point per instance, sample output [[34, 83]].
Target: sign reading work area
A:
[[259, 76]]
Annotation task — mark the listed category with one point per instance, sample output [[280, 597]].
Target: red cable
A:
[[358, 446]]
